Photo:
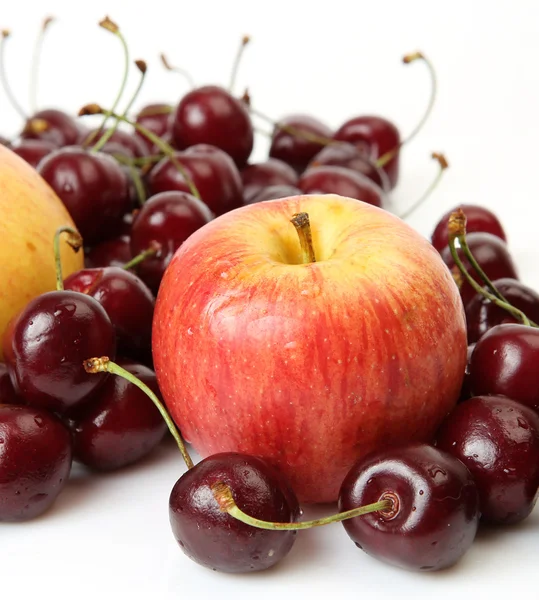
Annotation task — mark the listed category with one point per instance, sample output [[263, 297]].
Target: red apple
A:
[[308, 364]]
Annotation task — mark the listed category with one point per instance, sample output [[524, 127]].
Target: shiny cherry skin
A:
[[466, 390], [377, 133], [344, 182], [478, 218], [128, 301], [211, 115], [505, 362], [271, 172], [120, 142], [35, 461], [157, 118], [498, 440], [213, 172], [435, 510], [356, 158], [54, 126], [93, 188], [46, 344], [218, 541], [492, 255], [169, 219], [294, 149], [482, 314], [8, 395], [33, 151], [273, 192], [115, 252], [120, 425]]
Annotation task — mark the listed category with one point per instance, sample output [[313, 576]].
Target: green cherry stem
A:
[[410, 58], [34, 78], [5, 83], [104, 365], [443, 165], [173, 69], [223, 496], [303, 227], [237, 60], [152, 250], [457, 230], [74, 239]]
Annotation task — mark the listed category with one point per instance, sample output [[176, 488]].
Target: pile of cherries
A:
[[135, 195]]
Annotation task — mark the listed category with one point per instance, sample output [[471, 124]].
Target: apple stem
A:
[[5, 83], [183, 72], [303, 227], [410, 58], [223, 496], [34, 79], [443, 165], [152, 250], [237, 60], [101, 141], [166, 149], [104, 365], [74, 239], [457, 231]]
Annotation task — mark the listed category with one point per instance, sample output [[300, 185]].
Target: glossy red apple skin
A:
[[311, 366]]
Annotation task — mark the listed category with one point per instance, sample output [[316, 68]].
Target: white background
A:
[[108, 536]]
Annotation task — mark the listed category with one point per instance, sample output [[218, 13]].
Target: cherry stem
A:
[[34, 79], [104, 365], [457, 230], [443, 165], [166, 149], [141, 66], [183, 72], [410, 58], [74, 239], [303, 227], [237, 60], [5, 83], [152, 250], [223, 496], [137, 182]]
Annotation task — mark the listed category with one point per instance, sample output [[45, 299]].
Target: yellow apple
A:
[[30, 214]]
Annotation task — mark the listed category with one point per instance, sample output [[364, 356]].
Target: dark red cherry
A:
[[465, 390], [213, 172], [157, 118], [492, 255], [435, 510], [46, 344], [271, 172], [169, 219], [218, 541], [356, 158], [110, 253], [128, 301], [478, 219], [53, 126], [120, 425], [33, 151], [377, 133], [35, 461], [295, 149], [498, 440], [93, 188], [120, 142], [273, 192], [8, 395], [482, 314], [341, 181], [505, 362], [211, 115]]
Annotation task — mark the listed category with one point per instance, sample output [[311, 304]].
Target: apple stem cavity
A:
[[104, 365], [223, 496], [443, 165], [237, 61], [74, 239], [6, 33], [410, 58], [166, 149], [152, 250], [173, 69], [34, 78], [303, 227], [457, 231]]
